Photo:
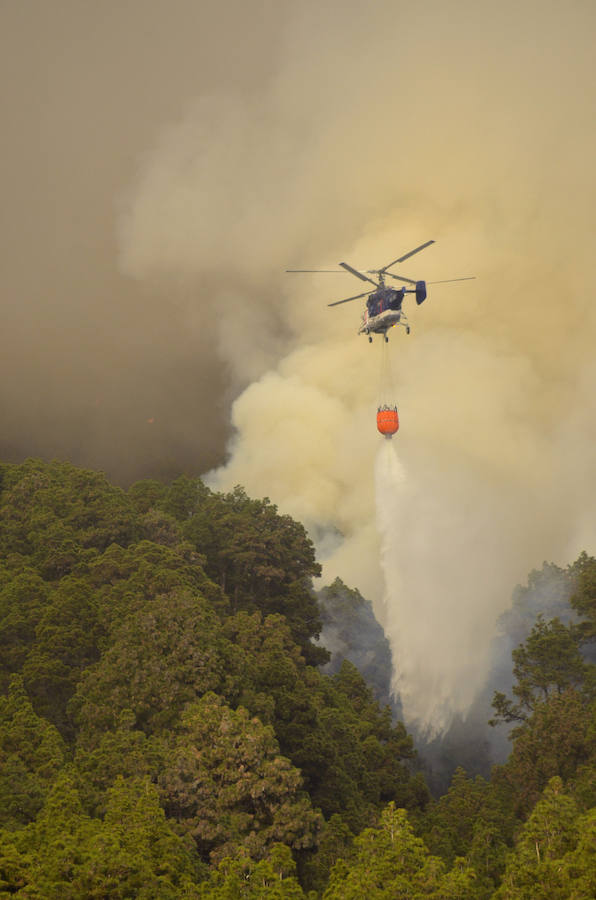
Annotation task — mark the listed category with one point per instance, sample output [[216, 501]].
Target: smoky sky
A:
[[96, 366], [163, 164]]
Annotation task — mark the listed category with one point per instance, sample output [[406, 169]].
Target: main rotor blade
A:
[[358, 274], [347, 300], [336, 271], [400, 278], [406, 256], [447, 280]]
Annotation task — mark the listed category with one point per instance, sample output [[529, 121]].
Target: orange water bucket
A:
[[387, 420]]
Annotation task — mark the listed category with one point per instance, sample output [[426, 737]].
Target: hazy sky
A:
[[88, 354], [164, 163]]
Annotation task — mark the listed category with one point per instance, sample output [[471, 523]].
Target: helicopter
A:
[[384, 304]]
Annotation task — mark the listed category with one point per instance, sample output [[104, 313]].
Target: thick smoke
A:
[[96, 366], [345, 131]]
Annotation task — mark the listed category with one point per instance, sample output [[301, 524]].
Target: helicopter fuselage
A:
[[383, 311]]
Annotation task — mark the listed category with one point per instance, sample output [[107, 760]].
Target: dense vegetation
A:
[[170, 725]]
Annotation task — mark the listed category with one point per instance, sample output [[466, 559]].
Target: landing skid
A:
[[384, 333]]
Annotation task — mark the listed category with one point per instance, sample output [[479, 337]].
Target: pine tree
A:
[[32, 754], [534, 869], [227, 786]]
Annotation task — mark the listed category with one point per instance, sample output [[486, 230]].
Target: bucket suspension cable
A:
[[387, 417], [386, 392]]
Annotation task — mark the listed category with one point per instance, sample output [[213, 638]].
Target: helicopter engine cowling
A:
[[397, 299], [420, 292]]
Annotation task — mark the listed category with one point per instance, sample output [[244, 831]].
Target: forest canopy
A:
[[170, 726]]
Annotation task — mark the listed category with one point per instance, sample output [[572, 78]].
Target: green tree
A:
[[474, 820], [125, 752], [67, 640], [31, 756], [164, 655], [56, 515], [55, 844], [492, 836], [137, 854], [449, 826], [147, 494], [65, 853], [14, 865], [23, 599], [335, 842], [390, 862], [549, 662], [558, 739], [125, 580], [534, 869], [184, 498], [580, 863], [350, 753], [263, 662], [227, 786], [260, 559], [272, 878], [583, 600]]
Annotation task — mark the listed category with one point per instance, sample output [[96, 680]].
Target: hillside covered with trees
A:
[[171, 726]]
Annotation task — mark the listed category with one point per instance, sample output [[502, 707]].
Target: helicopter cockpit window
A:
[[373, 306]]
